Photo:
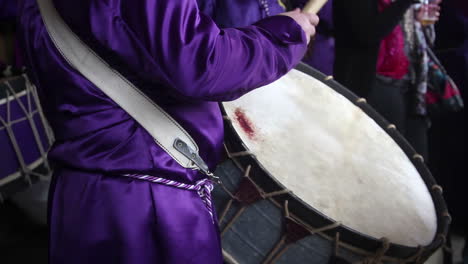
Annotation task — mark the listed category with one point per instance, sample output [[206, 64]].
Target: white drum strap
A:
[[167, 133]]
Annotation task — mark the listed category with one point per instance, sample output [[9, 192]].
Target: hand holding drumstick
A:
[[307, 18]]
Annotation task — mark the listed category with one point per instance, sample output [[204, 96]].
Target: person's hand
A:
[[308, 22], [429, 14]]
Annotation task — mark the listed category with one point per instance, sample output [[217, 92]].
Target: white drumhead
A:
[[335, 158]]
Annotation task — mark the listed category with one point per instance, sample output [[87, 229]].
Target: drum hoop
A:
[[304, 213], [4, 100], [17, 88], [20, 90], [36, 171], [18, 174]]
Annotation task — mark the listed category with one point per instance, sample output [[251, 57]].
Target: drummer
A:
[[186, 64]]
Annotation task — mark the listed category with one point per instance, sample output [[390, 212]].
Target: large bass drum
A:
[[315, 175]]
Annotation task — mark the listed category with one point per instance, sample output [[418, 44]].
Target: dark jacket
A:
[[359, 29]]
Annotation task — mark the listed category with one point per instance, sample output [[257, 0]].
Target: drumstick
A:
[[314, 6]]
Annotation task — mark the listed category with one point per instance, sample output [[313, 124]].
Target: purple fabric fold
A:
[[240, 13], [181, 69], [119, 220], [186, 64]]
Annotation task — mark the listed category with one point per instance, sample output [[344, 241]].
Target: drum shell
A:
[[261, 227]]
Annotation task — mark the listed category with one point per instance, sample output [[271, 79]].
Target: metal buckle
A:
[[193, 156]]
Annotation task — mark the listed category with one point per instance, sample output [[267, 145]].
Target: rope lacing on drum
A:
[[380, 255], [295, 231], [415, 257], [31, 96], [377, 258], [8, 126], [254, 194]]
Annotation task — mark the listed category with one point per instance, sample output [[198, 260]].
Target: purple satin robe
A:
[[239, 13], [186, 64]]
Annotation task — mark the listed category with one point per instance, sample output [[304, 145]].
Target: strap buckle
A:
[[199, 163]]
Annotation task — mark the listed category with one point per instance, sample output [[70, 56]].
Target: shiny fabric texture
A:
[[239, 13], [186, 64], [176, 56], [115, 219]]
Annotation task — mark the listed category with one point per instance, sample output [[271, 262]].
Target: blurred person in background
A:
[[359, 29], [381, 54], [7, 30], [11, 60], [448, 135]]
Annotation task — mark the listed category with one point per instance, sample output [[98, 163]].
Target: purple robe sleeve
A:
[[189, 53], [207, 7]]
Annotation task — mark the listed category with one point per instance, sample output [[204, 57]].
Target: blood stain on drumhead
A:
[[245, 123]]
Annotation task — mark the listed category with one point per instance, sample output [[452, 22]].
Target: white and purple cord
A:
[[202, 187], [264, 5]]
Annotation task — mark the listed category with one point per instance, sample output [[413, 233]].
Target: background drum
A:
[[315, 175], [24, 137]]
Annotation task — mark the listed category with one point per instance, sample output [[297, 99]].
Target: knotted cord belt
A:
[[203, 187]]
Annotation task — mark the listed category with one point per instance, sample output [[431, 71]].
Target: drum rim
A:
[[20, 90], [37, 171], [348, 235], [19, 174]]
